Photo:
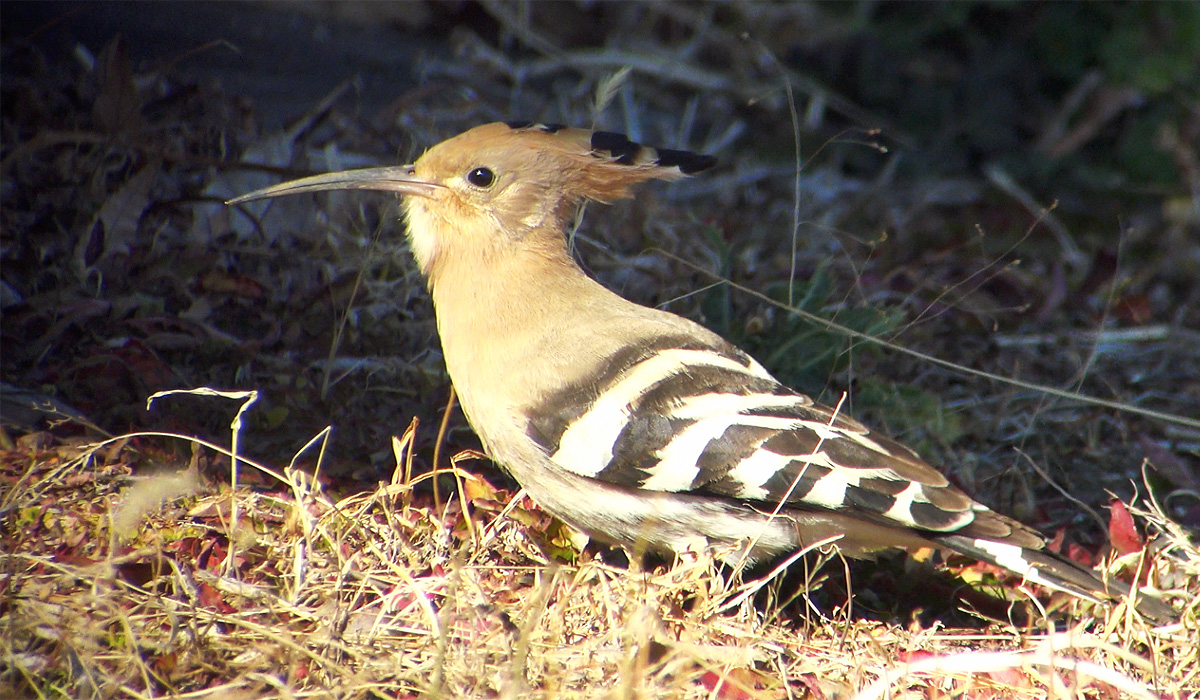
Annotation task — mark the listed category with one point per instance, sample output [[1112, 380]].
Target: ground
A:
[[1005, 198]]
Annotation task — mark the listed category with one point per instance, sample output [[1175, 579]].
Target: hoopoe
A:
[[635, 425]]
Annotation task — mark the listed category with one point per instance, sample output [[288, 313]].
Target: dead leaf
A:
[[220, 282], [1080, 555], [114, 229], [1177, 470], [118, 106], [740, 684], [1122, 533]]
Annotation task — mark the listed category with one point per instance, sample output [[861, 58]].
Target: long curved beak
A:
[[400, 179]]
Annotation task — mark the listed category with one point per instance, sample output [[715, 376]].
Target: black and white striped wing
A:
[[712, 421]]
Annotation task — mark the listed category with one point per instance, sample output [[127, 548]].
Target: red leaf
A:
[[211, 598], [1080, 555], [164, 665], [1122, 533], [220, 282], [1055, 545], [713, 681], [809, 681], [739, 684], [1134, 310]]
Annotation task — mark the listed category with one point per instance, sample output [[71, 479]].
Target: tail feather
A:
[[1047, 569]]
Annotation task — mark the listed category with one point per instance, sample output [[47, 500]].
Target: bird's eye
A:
[[481, 177]]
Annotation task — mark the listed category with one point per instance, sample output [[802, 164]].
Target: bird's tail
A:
[[1049, 570]]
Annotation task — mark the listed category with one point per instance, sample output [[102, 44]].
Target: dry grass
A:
[[377, 595]]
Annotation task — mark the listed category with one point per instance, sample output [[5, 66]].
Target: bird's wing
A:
[[685, 416]]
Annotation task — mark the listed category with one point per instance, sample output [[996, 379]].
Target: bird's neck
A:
[[505, 286], [485, 302], [494, 313]]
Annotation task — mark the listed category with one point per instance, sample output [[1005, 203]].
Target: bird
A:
[[637, 426]]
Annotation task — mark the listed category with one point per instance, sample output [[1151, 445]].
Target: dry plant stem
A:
[[338, 333], [1106, 336], [1070, 250], [464, 501], [748, 589], [976, 279], [438, 682], [437, 445], [537, 606], [1093, 351], [1065, 494], [489, 532], [422, 595], [519, 26], [984, 662], [190, 438], [1057, 127], [236, 432], [402, 452], [323, 438], [798, 168]]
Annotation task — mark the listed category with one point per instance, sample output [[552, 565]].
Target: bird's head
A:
[[502, 185]]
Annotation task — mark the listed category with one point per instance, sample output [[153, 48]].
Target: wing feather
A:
[[710, 421]]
